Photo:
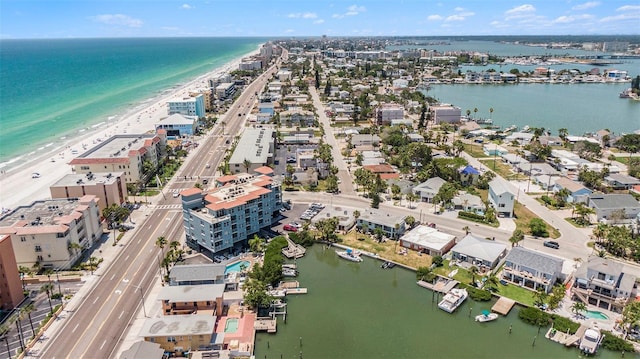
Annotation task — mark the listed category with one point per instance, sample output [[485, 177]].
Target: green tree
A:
[[246, 164], [557, 294], [539, 297], [630, 316], [445, 194], [327, 228], [48, 288], [425, 274], [577, 308], [516, 237], [538, 228], [396, 191], [256, 244]]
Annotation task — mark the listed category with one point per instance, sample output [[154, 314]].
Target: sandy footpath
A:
[[17, 187]]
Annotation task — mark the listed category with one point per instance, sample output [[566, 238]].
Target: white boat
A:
[[288, 272], [453, 299], [486, 316], [590, 340], [350, 255]]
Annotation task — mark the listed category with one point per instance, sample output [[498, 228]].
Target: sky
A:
[[276, 18]]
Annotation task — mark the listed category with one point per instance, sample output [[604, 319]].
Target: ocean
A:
[[50, 90]]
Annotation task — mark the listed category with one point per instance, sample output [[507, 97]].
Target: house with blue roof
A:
[[469, 175]]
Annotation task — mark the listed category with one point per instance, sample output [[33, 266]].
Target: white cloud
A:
[[587, 5], [186, 7], [319, 21], [117, 19], [289, 31], [571, 18], [621, 17], [303, 15], [454, 18], [458, 9], [434, 17], [521, 11], [351, 11], [629, 8]]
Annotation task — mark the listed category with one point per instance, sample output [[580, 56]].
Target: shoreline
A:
[[17, 186]]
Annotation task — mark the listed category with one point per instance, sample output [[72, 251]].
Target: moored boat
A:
[[590, 340], [486, 316], [453, 299], [349, 255]]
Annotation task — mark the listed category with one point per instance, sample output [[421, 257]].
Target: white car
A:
[[176, 195]]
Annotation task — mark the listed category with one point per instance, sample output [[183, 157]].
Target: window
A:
[[23, 239], [38, 248], [171, 339]]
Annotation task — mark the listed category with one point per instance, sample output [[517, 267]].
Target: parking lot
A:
[[298, 214]]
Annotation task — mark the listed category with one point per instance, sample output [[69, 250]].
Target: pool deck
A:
[[244, 335]]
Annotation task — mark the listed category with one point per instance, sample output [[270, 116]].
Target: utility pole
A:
[[144, 309]]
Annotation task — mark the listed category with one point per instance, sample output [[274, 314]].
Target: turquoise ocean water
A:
[[52, 89]]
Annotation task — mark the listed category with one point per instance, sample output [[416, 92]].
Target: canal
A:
[[358, 310]]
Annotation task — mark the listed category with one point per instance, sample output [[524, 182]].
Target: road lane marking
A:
[[74, 328], [94, 302], [120, 316], [126, 258], [103, 343], [113, 276]]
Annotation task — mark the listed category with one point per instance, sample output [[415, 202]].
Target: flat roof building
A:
[[428, 240], [190, 299], [53, 233], [11, 291], [374, 218], [178, 125], [123, 153], [256, 146], [109, 188], [445, 114], [180, 333], [188, 106], [224, 218]]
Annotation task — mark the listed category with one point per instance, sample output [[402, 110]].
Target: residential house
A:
[[297, 118], [222, 219], [620, 181], [406, 186], [385, 171], [415, 137], [392, 226], [180, 334], [346, 219], [142, 349], [577, 192], [429, 189], [615, 208], [192, 299], [109, 188], [603, 283], [469, 175], [531, 269], [428, 240], [365, 139], [126, 153], [178, 125], [469, 203], [493, 149], [53, 233], [197, 274], [501, 198], [479, 252], [387, 112]]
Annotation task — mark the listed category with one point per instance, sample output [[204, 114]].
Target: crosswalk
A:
[[166, 206]]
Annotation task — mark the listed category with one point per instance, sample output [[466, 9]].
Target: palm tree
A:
[[474, 270], [246, 163], [28, 309], [517, 236], [466, 230], [161, 242], [492, 282], [475, 111], [4, 331], [48, 288], [578, 307], [93, 263]]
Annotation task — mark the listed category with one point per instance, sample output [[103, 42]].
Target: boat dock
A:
[[296, 291], [503, 305], [293, 251], [287, 285], [441, 286], [265, 324], [564, 338], [292, 287]]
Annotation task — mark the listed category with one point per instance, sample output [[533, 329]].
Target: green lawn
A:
[[502, 169], [524, 215], [474, 150], [516, 293]]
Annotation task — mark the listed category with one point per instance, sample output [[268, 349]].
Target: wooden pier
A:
[[503, 305], [441, 285], [268, 325]]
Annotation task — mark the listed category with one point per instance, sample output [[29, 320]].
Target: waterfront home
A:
[[53, 233], [196, 274], [109, 188], [531, 269], [143, 349], [346, 219], [445, 113], [577, 192], [255, 148], [479, 252], [428, 240], [603, 283], [180, 334], [615, 208], [392, 226], [501, 198], [429, 189], [124, 153], [620, 181], [192, 299], [178, 125]]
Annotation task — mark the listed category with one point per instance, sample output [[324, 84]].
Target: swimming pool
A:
[[231, 326], [594, 314], [235, 267]]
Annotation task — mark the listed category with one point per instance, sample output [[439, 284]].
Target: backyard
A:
[[386, 250]]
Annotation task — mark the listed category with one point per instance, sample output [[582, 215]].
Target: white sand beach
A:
[[17, 187]]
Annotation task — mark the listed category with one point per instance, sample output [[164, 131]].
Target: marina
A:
[[401, 306]]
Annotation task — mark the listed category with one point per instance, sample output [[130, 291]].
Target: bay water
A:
[[52, 89], [358, 310]]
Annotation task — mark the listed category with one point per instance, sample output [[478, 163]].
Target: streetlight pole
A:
[[144, 309]]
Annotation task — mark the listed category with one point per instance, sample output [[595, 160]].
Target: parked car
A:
[[552, 244], [205, 181], [295, 224], [290, 228], [218, 259], [176, 195]]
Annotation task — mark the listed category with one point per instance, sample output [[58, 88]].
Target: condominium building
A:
[[123, 153], [11, 293], [445, 113], [223, 219], [53, 233], [110, 188], [385, 113], [254, 149], [188, 106], [225, 90], [604, 283]]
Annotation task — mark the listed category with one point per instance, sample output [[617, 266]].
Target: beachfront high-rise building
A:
[[109, 187], [53, 233], [223, 219], [225, 90], [254, 149], [11, 292], [188, 106], [124, 153]]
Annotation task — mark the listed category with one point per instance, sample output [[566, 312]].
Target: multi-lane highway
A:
[[95, 328]]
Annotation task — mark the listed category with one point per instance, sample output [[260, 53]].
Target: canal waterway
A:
[[358, 310]]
